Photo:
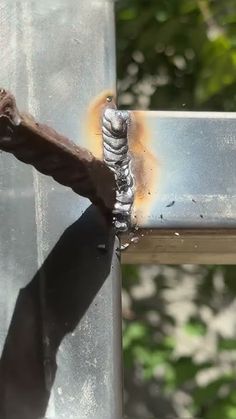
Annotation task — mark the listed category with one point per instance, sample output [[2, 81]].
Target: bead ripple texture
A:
[[117, 158]]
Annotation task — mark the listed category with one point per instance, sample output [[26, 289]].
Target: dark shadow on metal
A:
[[68, 281]]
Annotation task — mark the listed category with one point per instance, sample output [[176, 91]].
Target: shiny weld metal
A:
[[116, 156]]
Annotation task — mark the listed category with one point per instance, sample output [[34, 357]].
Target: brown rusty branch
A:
[[54, 155]]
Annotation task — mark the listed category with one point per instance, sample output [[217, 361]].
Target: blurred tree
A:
[[177, 53], [180, 342], [179, 322]]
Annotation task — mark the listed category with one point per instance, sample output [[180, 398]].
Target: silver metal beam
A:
[[195, 184], [187, 204], [60, 336]]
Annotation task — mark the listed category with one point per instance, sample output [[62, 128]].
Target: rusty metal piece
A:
[[54, 155]]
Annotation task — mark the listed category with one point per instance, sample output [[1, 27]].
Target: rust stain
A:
[[145, 166], [94, 124]]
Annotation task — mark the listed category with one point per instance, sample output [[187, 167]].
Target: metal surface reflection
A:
[[57, 56]]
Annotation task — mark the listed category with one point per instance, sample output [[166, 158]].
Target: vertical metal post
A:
[[60, 335]]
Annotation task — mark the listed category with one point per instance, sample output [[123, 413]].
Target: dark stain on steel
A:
[[170, 204], [193, 200], [55, 155], [201, 216]]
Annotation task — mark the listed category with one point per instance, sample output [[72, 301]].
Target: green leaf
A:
[[219, 68], [185, 370], [128, 14], [227, 345], [195, 328], [204, 395], [134, 332], [130, 276]]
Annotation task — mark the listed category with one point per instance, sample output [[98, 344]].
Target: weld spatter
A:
[[116, 156]]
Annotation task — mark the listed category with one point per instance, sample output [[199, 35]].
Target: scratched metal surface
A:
[[196, 181], [56, 57]]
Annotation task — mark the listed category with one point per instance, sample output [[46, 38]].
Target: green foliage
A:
[[130, 276], [152, 349], [195, 328], [180, 54], [185, 49], [227, 345], [140, 348]]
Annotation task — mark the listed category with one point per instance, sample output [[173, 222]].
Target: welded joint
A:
[[116, 155]]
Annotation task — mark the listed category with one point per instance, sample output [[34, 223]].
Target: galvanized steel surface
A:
[[55, 155], [56, 57], [195, 184]]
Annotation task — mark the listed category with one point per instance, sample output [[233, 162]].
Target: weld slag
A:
[[116, 156]]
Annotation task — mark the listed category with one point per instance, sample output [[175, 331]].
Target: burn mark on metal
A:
[[54, 155], [170, 204], [116, 155], [145, 166]]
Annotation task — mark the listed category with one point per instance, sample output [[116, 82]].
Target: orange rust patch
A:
[[94, 123], [144, 166], [144, 163]]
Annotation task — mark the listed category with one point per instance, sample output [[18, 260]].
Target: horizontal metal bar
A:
[[190, 114], [180, 246], [185, 174], [195, 180]]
